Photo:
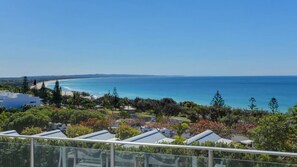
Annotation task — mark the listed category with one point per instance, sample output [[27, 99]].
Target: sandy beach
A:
[[64, 92]]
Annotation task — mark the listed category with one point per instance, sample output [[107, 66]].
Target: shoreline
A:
[[46, 83]]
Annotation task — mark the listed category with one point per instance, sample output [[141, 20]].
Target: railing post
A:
[[210, 158], [112, 158], [32, 153]]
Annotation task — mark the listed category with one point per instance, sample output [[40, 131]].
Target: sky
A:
[[163, 37]]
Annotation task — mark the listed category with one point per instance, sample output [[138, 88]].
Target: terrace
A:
[[46, 150]]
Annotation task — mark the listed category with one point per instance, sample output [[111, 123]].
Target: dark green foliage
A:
[[217, 100], [78, 116], [14, 89], [274, 133], [76, 100], [116, 99], [31, 131], [163, 107], [25, 87], [57, 96], [43, 93], [273, 105], [59, 116], [19, 121], [125, 132], [252, 105]]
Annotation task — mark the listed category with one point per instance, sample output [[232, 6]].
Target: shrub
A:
[[31, 131], [125, 131], [77, 130]]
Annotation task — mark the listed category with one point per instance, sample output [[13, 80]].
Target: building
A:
[[17, 100], [53, 133], [100, 135], [10, 132], [153, 136], [207, 136]]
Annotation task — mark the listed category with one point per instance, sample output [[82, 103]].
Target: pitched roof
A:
[[205, 136], [153, 136], [53, 133], [100, 135], [10, 132]]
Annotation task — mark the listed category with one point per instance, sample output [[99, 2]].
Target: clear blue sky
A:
[[176, 37]]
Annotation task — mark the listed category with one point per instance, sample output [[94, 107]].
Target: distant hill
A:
[[17, 81]]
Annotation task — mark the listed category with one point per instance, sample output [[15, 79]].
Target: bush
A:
[[31, 131], [77, 130], [96, 124], [125, 131]]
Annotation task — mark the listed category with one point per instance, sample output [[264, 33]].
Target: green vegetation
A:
[[125, 132], [252, 106], [270, 130], [57, 95], [25, 85], [276, 132], [218, 100], [273, 105], [77, 130], [180, 128], [31, 131], [41, 116]]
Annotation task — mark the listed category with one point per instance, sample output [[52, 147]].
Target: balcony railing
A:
[[33, 151]]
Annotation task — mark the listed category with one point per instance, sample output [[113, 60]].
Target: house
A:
[[53, 133], [153, 136], [100, 135], [10, 132], [17, 100], [207, 136], [242, 139], [129, 108]]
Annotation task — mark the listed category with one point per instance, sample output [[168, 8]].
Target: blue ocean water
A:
[[236, 91]]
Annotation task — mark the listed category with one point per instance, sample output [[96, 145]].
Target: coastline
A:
[[46, 83]]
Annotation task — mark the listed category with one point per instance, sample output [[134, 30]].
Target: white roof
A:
[[100, 135], [209, 136], [247, 142], [53, 133], [10, 132], [153, 136]]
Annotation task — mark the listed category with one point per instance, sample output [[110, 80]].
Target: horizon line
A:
[[159, 75]]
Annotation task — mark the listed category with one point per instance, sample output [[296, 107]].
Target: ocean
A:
[[236, 91]]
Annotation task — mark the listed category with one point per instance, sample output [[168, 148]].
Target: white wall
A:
[[17, 100]]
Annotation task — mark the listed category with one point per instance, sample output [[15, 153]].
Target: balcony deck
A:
[[41, 151]]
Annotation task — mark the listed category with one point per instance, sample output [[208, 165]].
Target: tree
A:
[[273, 133], [35, 92], [252, 103], [217, 100], [169, 107], [19, 121], [25, 85], [96, 124], [43, 93], [125, 131], [106, 100], [76, 99], [57, 96], [180, 128], [116, 98], [273, 105]]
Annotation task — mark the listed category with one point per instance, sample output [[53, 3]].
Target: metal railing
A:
[[210, 150]]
